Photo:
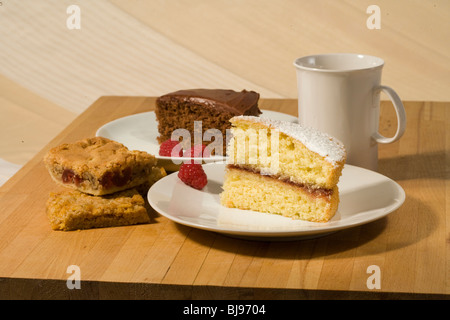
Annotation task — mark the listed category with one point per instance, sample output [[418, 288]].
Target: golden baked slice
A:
[[72, 210], [282, 168], [99, 166]]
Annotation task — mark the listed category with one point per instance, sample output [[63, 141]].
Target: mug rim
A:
[[379, 64]]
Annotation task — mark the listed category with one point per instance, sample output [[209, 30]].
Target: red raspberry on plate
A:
[[193, 175], [198, 151], [166, 149]]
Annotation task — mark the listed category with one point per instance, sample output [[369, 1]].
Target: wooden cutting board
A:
[[409, 249]]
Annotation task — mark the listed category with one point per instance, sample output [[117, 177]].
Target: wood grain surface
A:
[[164, 260]]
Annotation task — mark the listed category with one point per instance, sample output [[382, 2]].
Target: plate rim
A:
[[268, 234]]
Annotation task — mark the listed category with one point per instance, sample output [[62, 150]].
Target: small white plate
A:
[[140, 131], [365, 196]]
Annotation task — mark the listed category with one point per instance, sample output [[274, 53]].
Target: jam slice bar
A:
[[73, 210], [99, 166]]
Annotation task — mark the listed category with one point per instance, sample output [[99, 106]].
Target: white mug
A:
[[340, 94]]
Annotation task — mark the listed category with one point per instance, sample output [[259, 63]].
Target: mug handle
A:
[[401, 115]]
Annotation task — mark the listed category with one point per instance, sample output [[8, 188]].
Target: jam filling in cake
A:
[[313, 191]]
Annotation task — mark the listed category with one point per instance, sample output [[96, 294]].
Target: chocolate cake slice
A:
[[213, 107]]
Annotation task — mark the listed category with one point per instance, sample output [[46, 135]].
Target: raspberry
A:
[[166, 149], [193, 175], [198, 151]]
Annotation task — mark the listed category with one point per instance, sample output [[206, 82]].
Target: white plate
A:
[[140, 131], [365, 196]]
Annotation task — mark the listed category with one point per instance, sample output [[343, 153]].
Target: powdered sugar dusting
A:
[[319, 142]]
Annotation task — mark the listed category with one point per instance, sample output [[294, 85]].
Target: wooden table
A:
[[164, 260]]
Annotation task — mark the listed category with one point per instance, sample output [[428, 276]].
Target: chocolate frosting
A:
[[238, 103]]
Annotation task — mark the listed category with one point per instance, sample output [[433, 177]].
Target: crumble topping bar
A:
[[99, 166], [73, 210]]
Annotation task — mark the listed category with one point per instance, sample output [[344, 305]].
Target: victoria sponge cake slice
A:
[[282, 168]]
